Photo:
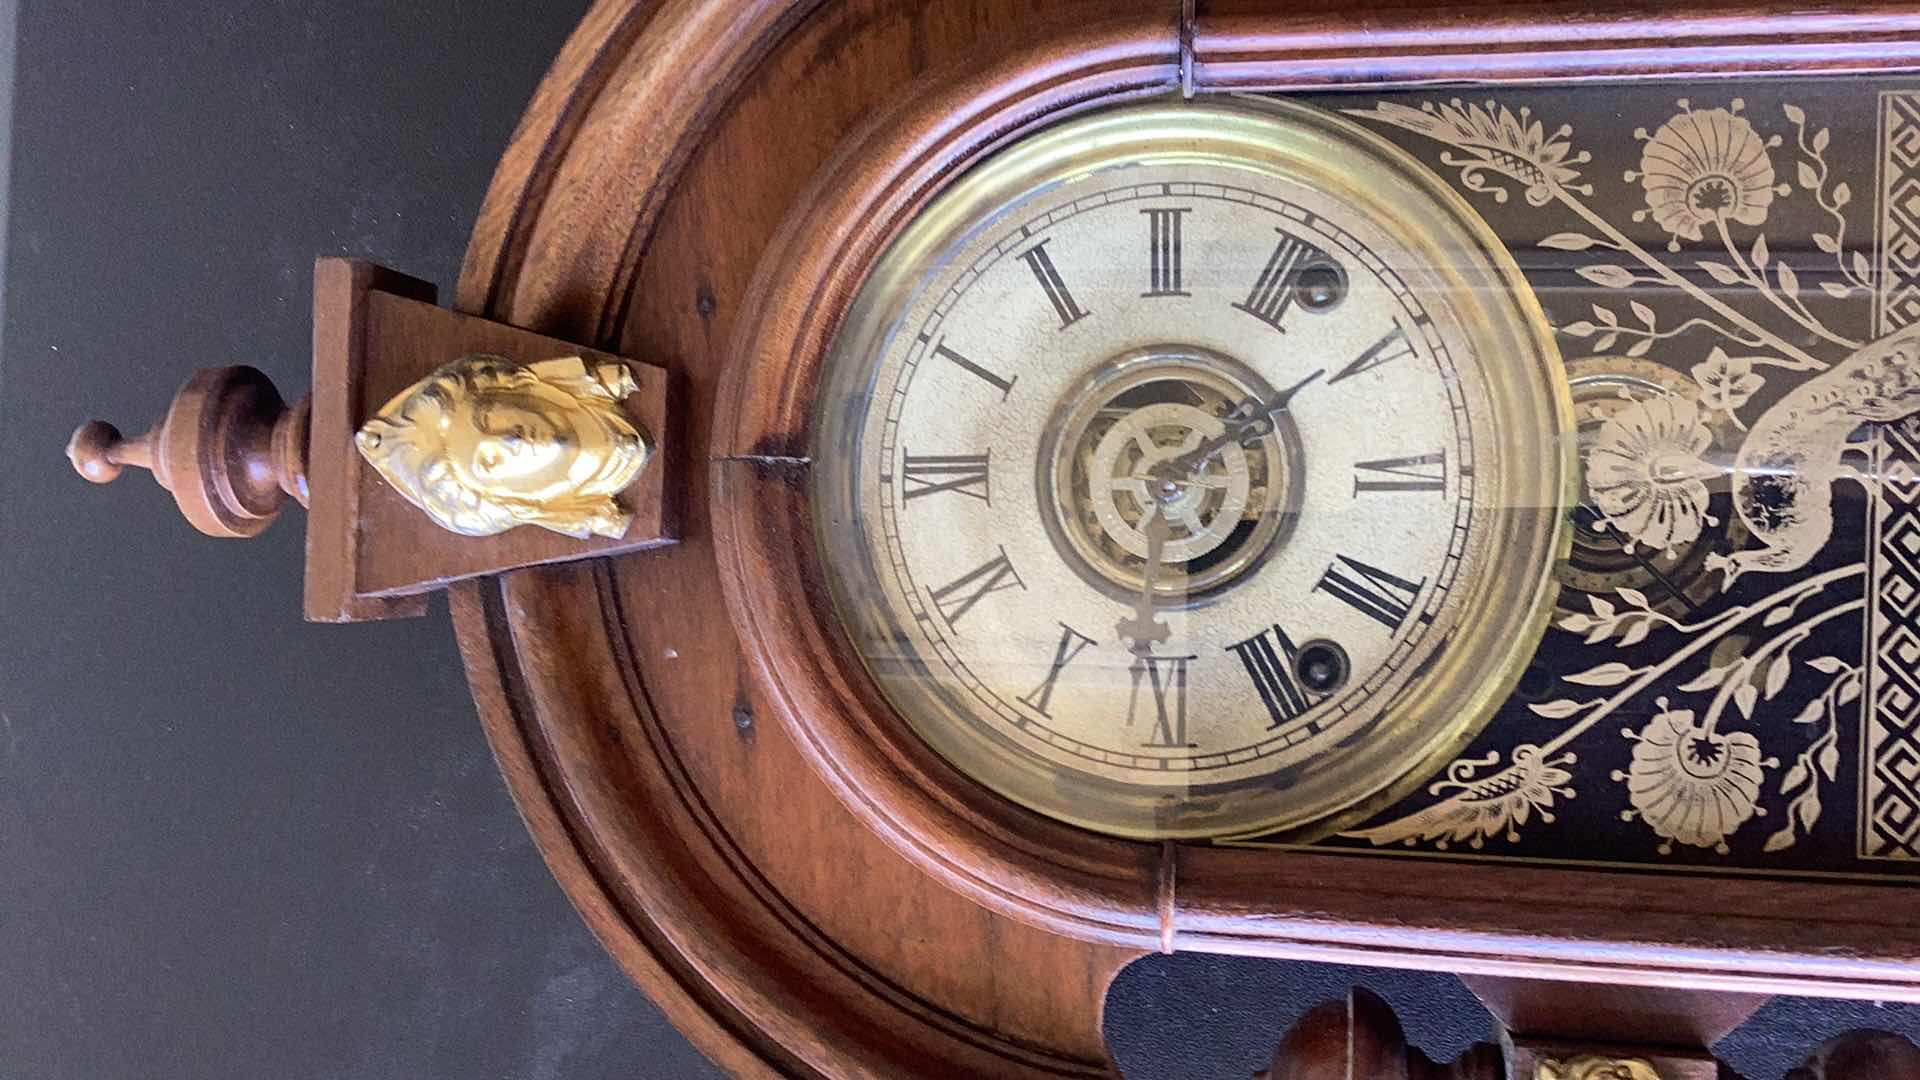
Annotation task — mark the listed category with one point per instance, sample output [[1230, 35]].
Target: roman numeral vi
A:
[[1166, 678]]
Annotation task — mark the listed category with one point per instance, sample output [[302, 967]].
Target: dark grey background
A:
[[236, 845]]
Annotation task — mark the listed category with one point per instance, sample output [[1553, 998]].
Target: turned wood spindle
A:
[[229, 449]]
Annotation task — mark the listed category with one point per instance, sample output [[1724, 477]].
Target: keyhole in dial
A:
[[1321, 288], [1321, 666]]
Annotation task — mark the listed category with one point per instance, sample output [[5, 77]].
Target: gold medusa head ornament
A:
[[484, 444], [1587, 1067]]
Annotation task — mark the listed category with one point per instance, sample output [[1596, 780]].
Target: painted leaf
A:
[[1777, 673], [1807, 810], [1808, 178], [1760, 251], [1556, 710], [1830, 761], [1745, 698], [1720, 272], [1568, 241], [1612, 673], [1789, 281], [1608, 275], [1795, 777], [1708, 679], [1848, 692], [1825, 665]]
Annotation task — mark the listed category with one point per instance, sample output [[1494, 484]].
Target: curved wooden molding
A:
[[1249, 45]]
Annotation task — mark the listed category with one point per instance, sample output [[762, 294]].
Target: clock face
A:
[[1194, 471]]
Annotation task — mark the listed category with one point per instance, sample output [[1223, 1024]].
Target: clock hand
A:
[[1251, 419], [1140, 625]]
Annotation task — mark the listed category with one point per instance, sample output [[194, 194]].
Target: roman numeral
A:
[[1163, 251], [957, 597], [1392, 347], [1041, 264], [1271, 669], [1424, 472], [930, 474], [1273, 293], [1166, 678], [1071, 643], [1005, 385], [1381, 596]]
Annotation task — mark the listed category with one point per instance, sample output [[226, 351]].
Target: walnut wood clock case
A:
[[707, 761]]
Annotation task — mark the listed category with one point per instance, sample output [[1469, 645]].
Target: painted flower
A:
[[1646, 475], [1705, 167], [1726, 382], [1516, 145], [1480, 809], [1691, 784]]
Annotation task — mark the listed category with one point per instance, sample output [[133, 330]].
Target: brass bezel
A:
[[1505, 606]]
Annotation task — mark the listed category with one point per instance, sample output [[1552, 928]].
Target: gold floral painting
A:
[[1733, 274]]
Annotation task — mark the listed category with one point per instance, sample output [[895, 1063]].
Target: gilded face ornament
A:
[[484, 444]]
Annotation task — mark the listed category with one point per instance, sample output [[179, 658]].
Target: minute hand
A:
[[1251, 419]]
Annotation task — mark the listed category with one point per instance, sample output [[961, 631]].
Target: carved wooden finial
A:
[[228, 449]]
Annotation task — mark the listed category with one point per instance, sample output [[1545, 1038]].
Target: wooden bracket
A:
[[232, 452]]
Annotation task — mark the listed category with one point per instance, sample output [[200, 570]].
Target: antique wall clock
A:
[[941, 499]]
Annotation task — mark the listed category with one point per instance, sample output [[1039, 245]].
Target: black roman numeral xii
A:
[[1163, 251]]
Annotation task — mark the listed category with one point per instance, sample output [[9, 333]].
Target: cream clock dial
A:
[[1194, 471]]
